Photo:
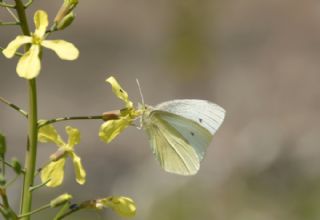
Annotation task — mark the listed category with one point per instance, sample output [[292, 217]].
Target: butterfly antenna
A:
[[142, 100]]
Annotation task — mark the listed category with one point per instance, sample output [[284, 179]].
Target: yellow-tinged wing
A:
[[192, 132], [171, 149]]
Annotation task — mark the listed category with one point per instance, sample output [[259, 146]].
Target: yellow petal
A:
[[119, 92], [41, 23], [29, 64], [123, 206], [112, 128], [53, 172], [78, 168], [74, 136], [48, 133], [64, 49], [14, 45]]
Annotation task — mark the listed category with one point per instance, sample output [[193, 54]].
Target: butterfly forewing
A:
[[205, 113], [170, 147]]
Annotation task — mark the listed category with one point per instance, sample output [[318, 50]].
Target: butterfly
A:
[[180, 131]]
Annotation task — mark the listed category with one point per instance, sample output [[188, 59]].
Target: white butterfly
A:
[[179, 132]]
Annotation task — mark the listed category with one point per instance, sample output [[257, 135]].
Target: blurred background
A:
[[257, 59]]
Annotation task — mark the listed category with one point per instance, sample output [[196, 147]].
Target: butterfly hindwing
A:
[[172, 150], [195, 135]]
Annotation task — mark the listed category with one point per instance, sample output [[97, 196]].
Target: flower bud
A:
[[123, 206], [16, 165], [66, 21], [3, 146], [2, 180], [66, 8], [60, 200]]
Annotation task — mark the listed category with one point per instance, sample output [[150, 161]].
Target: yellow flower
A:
[[113, 127], [53, 173], [119, 92], [123, 206], [29, 64]]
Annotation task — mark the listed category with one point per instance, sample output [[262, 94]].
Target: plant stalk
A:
[[51, 121], [31, 153], [35, 211], [30, 162]]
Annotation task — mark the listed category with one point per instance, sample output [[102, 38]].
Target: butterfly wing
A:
[[205, 113], [180, 131], [194, 134], [171, 149]]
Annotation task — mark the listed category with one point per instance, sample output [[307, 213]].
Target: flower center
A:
[[68, 149], [36, 40]]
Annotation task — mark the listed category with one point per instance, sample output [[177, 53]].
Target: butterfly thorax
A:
[[146, 109]]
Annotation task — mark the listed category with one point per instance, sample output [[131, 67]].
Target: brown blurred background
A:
[[257, 59]]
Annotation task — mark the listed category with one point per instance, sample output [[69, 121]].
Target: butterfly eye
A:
[[120, 90]]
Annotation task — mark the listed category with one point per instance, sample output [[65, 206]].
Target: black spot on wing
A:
[[192, 133], [200, 120]]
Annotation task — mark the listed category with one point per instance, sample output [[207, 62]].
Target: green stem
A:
[[12, 14], [4, 196], [3, 212], [28, 3], [39, 186], [71, 211], [8, 23], [41, 168], [22, 17], [15, 107], [3, 166], [6, 205], [10, 165], [35, 211], [12, 181], [31, 154], [5, 5], [51, 121], [64, 208]]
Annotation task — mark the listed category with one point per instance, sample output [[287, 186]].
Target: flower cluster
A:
[[53, 173], [114, 126], [29, 65]]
